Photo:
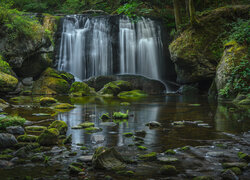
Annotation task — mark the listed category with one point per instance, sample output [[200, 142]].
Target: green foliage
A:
[[239, 79], [240, 31], [11, 121]]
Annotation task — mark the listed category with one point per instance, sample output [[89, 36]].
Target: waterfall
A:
[[91, 47]]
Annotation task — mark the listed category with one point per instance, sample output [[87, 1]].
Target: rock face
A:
[[232, 56], [53, 82], [109, 159], [149, 86], [197, 51], [7, 140]]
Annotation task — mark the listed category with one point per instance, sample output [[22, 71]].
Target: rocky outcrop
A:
[[53, 82], [147, 85], [197, 51]]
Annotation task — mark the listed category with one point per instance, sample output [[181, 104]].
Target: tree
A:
[[177, 13], [193, 19]]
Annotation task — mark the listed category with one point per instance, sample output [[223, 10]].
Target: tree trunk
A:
[[177, 13], [193, 19], [187, 9]]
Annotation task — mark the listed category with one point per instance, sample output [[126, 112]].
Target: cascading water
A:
[[90, 47]]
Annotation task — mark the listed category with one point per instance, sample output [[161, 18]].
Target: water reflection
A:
[[164, 110]]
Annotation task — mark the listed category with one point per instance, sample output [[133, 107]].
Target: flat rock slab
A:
[[85, 158]]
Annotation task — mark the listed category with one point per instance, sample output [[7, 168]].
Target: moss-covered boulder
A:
[[227, 84], [115, 87], [107, 158], [87, 124], [64, 106], [27, 138], [197, 50], [148, 157], [79, 89], [48, 137], [8, 83], [47, 101], [5, 67], [132, 94], [61, 126], [35, 128], [51, 82], [168, 170]]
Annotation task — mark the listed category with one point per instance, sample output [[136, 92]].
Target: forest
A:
[[124, 89]]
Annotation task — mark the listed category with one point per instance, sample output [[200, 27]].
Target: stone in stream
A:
[[140, 133], [7, 140], [108, 158], [85, 158], [229, 175], [167, 159], [97, 139], [153, 124], [15, 130]]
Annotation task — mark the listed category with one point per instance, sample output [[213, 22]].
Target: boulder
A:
[[81, 89], [115, 87], [107, 158], [61, 126], [168, 170], [47, 101], [8, 83], [7, 140], [51, 82], [149, 86], [132, 94], [15, 130], [48, 137]]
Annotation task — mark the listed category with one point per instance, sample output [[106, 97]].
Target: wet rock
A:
[[240, 165], [27, 81], [64, 106], [15, 130], [61, 126], [203, 178], [48, 137], [74, 169], [141, 133], [170, 152], [79, 89], [7, 140], [229, 175], [167, 159], [115, 87], [129, 134], [105, 116], [93, 130], [85, 159], [27, 138], [47, 101], [244, 156], [21, 152], [68, 140], [86, 125], [5, 164], [111, 124], [107, 158], [188, 90], [153, 124], [168, 170], [148, 157], [35, 128], [97, 139], [215, 154], [132, 94]]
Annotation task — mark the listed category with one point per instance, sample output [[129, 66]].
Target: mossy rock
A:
[[170, 152], [126, 173], [105, 116], [168, 170], [48, 137], [132, 94], [125, 104], [27, 138], [47, 101], [35, 128], [11, 121], [87, 124], [74, 169], [120, 115], [244, 156], [51, 83], [5, 157], [79, 89], [68, 139], [142, 148], [8, 83], [5, 67], [64, 106], [68, 77], [115, 87], [129, 134], [148, 157], [61, 126], [92, 129]]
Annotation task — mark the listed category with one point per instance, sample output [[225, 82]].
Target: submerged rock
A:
[[107, 158], [7, 140]]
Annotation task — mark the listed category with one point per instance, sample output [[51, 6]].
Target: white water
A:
[[86, 49]]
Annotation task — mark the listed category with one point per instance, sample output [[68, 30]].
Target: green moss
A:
[[115, 87], [236, 170], [5, 157], [35, 128], [5, 67], [92, 129], [129, 134], [149, 157], [83, 148], [132, 94], [142, 147], [48, 137], [8, 82], [11, 121], [47, 101], [87, 124], [68, 139], [125, 173], [74, 169], [168, 170], [27, 138], [61, 126], [7, 151], [170, 152], [81, 89], [64, 106], [185, 148], [105, 116], [125, 104], [120, 115], [245, 102], [244, 156]]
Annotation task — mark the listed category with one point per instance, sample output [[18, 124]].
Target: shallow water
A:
[[219, 119]]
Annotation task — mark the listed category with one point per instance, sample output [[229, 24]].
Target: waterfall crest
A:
[[91, 47]]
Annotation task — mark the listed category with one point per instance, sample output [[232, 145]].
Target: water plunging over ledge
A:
[[105, 45]]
